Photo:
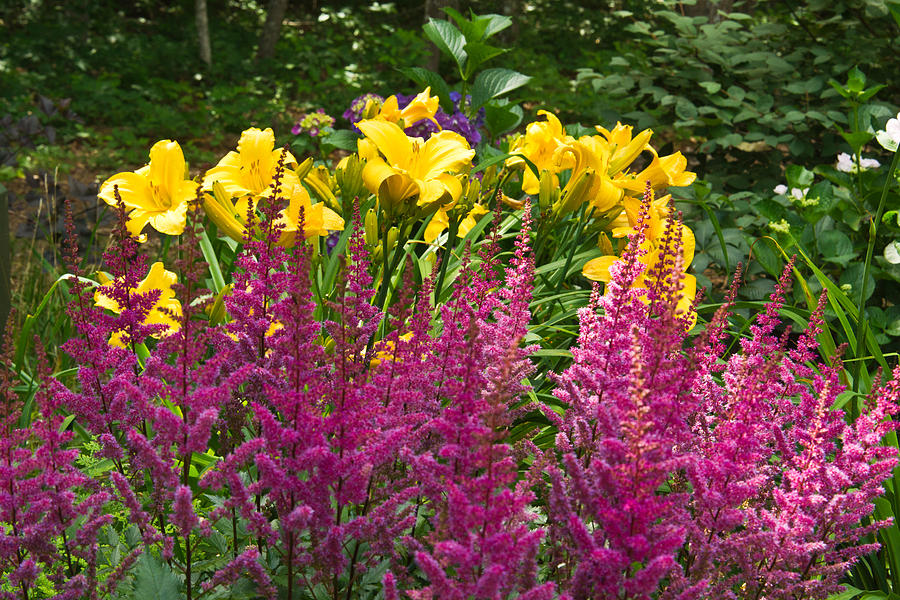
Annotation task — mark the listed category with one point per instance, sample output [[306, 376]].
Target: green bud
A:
[[575, 193], [349, 178], [392, 235], [549, 191], [371, 222], [304, 168]]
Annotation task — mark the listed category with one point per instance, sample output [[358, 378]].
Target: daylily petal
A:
[[390, 141], [597, 269], [170, 222], [444, 151], [167, 167], [134, 190], [439, 222]]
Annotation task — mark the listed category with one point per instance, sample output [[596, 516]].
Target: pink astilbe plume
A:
[[481, 544], [621, 439]]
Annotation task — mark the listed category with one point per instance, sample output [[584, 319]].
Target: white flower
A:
[[869, 163], [890, 137], [780, 189], [845, 163], [798, 193]]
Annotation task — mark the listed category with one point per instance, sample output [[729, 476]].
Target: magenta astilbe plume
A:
[[481, 544], [621, 439]]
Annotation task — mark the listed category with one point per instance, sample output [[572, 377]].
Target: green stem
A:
[[445, 259], [579, 229], [873, 231]]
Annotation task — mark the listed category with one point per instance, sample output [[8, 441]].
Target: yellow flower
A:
[[412, 168], [241, 178], [661, 173], [165, 311], [623, 149], [590, 181], [248, 173], [157, 193], [598, 268], [423, 106], [318, 219], [539, 145], [441, 221], [387, 350]]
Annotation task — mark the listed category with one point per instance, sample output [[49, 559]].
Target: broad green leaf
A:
[[856, 80], [155, 580], [448, 39], [711, 86], [492, 83], [479, 53], [500, 118], [343, 139]]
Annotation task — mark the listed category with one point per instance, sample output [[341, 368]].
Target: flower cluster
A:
[[314, 123]]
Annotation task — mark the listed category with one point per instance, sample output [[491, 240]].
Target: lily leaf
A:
[[492, 83], [448, 39]]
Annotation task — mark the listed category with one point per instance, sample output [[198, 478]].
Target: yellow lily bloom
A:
[[623, 148], [598, 268], [441, 221], [662, 172], [248, 173], [157, 193], [590, 181], [412, 168], [318, 219], [423, 106], [158, 278], [539, 145]]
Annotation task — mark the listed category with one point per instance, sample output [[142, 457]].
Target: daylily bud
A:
[[392, 235], [304, 168], [217, 312], [371, 228], [473, 192], [320, 183], [548, 193], [349, 177], [575, 193], [372, 108], [489, 177]]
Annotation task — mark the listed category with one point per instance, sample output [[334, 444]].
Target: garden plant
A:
[[448, 345]]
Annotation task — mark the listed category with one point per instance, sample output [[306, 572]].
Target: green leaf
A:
[[154, 580], [711, 86], [343, 139], [479, 53], [448, 39], [439, 87], [500, 118], [685, 109], [857, 139], [856, 80], [835, 247], [492, 83], [798, 176]]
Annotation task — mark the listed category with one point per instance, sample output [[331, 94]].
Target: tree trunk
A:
[[203, 31], [5, 282], [271, 29]]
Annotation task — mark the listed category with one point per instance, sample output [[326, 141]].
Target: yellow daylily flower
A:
[[158, 278], [248, 173], [590, 181], [318, 219], [662, 172], [598, 269], [441, 221], [157, 193], [423, 106], [387, 350], [623, 148], [539, 145], [412, 168]]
